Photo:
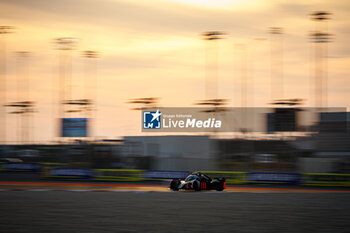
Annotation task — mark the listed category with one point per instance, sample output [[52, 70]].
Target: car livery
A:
[[197, 182]]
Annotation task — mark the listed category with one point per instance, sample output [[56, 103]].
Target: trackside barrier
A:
[[28, 167], [68, 173], [326, 179], [20, 167], [273, 178], [231, 177], [55, 170], [118, 175], [53, 164]]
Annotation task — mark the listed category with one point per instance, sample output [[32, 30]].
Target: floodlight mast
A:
[[24, 107], [65, 45], [320, 38], [276, 63], [212, 100], [211, 62], [91, 85], [4, 30]]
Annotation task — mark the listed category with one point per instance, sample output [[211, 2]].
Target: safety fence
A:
[[60, 171]]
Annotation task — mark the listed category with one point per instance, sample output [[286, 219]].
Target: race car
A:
[[197, 181]]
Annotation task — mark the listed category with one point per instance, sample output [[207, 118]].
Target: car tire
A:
[[174, 185], [196, 187], [220, 187]]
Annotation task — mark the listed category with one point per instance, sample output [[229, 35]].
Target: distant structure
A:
[[276, 62], [212, 100], [24, 107], [144, 103], [4, 30], [211, 62], [320, 37], [66, 104], [88, 105], [65, 45]]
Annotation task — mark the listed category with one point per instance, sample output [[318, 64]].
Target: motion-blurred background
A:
[[75, 75]]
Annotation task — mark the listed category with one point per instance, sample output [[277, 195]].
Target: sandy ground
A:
[[67, 211]]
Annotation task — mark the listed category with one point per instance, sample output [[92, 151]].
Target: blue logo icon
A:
[[151, 120]]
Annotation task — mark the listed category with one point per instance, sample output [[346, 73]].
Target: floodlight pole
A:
[[211, 67], [276, 63], [64, 45], [24, 115], [320, 38], [3, 92], [90, 82]]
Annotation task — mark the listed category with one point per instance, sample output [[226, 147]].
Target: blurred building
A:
[[256, 155], [334, 132], [172, 152], [327, 151], [332, 143]]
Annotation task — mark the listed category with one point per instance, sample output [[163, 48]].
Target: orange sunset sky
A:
[[154, 49]]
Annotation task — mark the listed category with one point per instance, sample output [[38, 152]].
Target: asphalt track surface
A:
[[31, 205], [154, 209]]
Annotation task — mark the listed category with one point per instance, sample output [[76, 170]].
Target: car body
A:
[[197, 181]]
